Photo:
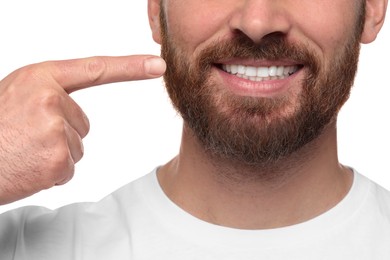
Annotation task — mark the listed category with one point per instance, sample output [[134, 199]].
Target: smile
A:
[[260, 73]]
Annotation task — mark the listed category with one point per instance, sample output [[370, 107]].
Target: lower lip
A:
[[266, 88]]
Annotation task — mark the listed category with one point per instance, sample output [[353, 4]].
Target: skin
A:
[[311, 184], [41, 140]]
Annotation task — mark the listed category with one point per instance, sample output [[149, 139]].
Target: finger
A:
[[56, 102], [76, 150], [76, 117], [77, 74], [75, 143]]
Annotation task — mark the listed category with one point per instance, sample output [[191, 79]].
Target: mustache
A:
[[272, 47]]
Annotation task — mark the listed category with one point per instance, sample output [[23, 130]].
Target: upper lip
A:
[[259, 63]]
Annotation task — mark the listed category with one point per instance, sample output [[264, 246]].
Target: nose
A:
[[259, 18]]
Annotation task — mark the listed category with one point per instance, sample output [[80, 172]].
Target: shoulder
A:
[[45, 233], [382, 198], [378, 198]]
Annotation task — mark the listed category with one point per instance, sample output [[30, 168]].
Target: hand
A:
[[41, 127]]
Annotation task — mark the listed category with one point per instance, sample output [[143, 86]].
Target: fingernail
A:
[[155, 66]]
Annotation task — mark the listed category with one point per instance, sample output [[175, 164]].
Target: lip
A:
[[259, 63], [266, 88]]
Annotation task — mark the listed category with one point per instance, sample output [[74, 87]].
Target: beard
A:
[[257, 131]]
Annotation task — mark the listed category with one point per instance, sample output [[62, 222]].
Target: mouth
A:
[[260, 73], [261, 78]]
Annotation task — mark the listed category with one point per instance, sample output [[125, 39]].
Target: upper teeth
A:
[[260, 73]]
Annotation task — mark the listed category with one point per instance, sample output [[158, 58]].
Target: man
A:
[[259, 85]]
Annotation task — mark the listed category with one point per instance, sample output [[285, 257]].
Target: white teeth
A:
[[240, 69], [251, 71], [286, 70], [260, 73], [234, 69], [279, 71], [272, 71]]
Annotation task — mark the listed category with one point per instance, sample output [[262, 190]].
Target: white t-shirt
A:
[[139, 222]]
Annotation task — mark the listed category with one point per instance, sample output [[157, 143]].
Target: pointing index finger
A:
[[78, 74]]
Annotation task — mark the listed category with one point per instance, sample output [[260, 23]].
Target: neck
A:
[[228, 193]]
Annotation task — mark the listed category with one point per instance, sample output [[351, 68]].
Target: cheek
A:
[[327, 30], [329, 35], [190, 29]]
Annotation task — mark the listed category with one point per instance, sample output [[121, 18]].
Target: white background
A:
[[133, 127]]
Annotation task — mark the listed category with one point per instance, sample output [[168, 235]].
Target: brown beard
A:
[[253, 131]]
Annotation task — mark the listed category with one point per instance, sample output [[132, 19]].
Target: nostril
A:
[[274, 36], [258, 22]]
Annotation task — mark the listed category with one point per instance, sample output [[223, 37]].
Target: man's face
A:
[[257, 80]]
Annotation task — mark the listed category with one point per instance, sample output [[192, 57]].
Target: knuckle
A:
[[95, 68], [37, 72], [61, 165], [56, 130], [26, 83], [29, 70], [27, 75], [50, 99]]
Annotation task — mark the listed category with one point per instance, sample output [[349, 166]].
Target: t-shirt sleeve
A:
[[39, 233]]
